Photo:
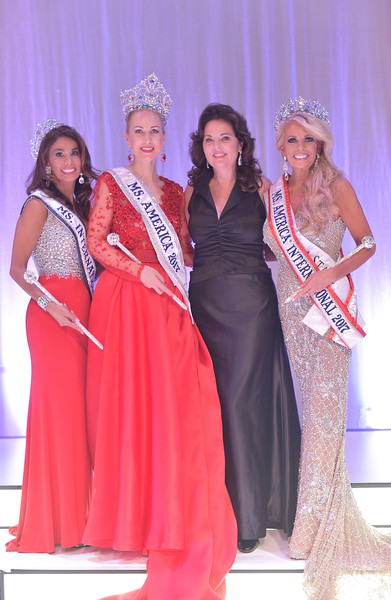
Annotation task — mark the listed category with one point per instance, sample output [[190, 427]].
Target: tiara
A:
[[41, 131], [300, 105], [149, 93]]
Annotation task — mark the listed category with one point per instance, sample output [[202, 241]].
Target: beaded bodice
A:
[[55, 252]]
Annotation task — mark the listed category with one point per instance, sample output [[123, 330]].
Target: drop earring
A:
[[163, 156], [207, 164], [240, 159], [130, 157], [81, 179], [315, 163], [285, 168], [48, 171]]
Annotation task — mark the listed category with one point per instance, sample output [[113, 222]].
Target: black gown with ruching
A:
[[234, 303]]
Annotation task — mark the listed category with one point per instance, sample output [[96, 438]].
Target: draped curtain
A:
[[70, 60]]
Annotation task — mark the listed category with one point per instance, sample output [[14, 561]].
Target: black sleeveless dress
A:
[[234, 304]]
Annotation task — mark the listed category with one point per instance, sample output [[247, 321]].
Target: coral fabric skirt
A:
[[57, 474], [155, 436]]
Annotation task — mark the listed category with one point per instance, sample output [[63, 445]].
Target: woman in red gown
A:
[[51, 228], [154, 419]]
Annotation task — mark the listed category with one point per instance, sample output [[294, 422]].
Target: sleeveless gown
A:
[[57, 472], [235, 307], [329, 529], [155, 425]]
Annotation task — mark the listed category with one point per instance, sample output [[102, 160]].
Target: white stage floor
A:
[[91, 573]]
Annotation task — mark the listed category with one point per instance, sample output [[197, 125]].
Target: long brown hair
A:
[[38, 177], [249, 173]]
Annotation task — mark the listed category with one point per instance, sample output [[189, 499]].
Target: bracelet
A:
[[43, 302]]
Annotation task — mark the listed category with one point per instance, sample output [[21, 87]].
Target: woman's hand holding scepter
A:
[[30, 277], [114, 240], [366, 242]]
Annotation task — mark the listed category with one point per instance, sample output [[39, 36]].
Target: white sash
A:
[[161, 233], [335, 306], [77, 227]]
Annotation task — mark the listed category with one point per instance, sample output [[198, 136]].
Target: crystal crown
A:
[[300, 105], [149, 93], [41, 131]]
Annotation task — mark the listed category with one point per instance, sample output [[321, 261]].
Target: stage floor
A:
[[91, 573]]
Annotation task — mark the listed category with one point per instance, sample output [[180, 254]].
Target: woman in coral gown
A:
[[154, 418], [308, 212], [51, 228]]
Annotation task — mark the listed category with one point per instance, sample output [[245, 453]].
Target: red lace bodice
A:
[[113, 213], [127, 222]]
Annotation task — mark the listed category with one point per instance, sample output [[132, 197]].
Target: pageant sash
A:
[[77, 227], [336, 305], [161, 233]]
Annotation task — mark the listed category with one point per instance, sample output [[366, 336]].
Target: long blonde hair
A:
[[318, 202]]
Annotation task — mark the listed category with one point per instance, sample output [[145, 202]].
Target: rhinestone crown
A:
[[41, 131], [300, 105], [149, 93]]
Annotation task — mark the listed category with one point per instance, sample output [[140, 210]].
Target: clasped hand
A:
[[316, 282], [62, 314]]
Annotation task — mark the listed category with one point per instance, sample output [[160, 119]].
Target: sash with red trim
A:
[[336, 305]]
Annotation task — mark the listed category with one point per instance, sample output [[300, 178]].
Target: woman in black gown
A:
[[235, 307]]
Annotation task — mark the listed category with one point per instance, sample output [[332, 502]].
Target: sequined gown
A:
[[329, 529], [57, 473], [154, 421], [235, 306]]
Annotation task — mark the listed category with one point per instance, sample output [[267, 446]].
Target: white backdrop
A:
[[70, 58]]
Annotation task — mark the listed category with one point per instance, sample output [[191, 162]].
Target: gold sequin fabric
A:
[[329, 529], [55, 252]]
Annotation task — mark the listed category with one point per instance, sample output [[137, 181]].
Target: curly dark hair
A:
[[38, 177], [249, 173]]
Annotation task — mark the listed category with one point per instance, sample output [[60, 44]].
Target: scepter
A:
[[31, 277], [366, 242]]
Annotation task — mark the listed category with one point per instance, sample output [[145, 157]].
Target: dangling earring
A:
[[315, 163], [285, 168], [207, 164], [240, 159], [81, 179], [163, 156], [48, 171], [130, 157]]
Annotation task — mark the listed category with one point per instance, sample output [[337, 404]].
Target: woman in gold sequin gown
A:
[[329, 529], [57, 472]]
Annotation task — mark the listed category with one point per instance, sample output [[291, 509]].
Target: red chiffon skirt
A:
[[155, 436], [57, 473]]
